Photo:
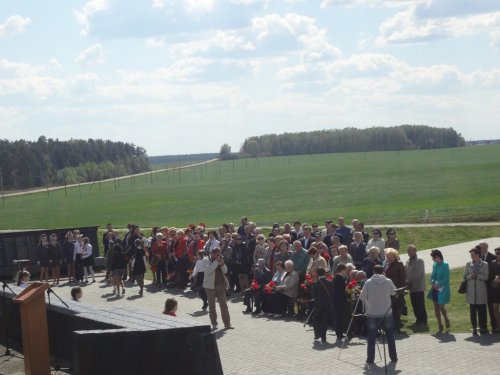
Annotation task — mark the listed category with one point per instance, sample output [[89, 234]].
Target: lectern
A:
[[34, 328]]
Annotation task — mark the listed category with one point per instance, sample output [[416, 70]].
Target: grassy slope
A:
[[458, 310], [382, 187]]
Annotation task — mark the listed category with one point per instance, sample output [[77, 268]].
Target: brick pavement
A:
[[261, 345]]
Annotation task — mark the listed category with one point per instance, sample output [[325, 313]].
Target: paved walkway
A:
[[259, 345], [455, 255]]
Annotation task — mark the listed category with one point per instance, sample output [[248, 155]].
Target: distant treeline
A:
[[483, 142], [404, 137], [174, 159], [49, 162]]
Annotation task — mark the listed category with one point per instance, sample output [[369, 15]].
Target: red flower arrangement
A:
[[308, 282], [329, 277], [351, 287], [254, 285], [268, 288]]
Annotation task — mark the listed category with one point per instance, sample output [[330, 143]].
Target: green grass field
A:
[[379, 187], [457, 309]]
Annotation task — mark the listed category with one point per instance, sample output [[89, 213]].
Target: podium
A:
[[34, 328]]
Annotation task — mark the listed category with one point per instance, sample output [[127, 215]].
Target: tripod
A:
[[354, 315], [56, 362]]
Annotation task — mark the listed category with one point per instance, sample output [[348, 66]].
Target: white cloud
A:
[[495, 39], [155, 42], [54, 63], [416, 25], [199, 6], [90, 8], [13, 69], [93, 55], [366, 3], [13, 25]]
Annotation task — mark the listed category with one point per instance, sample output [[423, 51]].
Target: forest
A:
[[48, 162], [404, 137]]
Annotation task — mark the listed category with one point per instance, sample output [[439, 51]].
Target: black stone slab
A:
[[121, 341]]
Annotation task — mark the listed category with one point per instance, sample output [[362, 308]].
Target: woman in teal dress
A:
[[440, 291]]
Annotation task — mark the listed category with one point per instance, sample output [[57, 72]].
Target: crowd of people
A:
[[294, 268]]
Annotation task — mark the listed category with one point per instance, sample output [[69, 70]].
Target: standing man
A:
[[322, 291], [488, 257], [300, 259], [376, 295], [415, 281], [308, 239], [344, 232], [215, 284]]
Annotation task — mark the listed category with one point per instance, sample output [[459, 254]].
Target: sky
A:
[[186, 76]]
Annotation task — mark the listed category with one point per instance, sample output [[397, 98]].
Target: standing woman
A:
[[476, 274], [392, 241], [494, 277], [118, 268], [440, 291], [139, 264], [43, 258], [197, 278], [69, 256], [87, 260], [396, 272], [78, 257], [55, 253], [227, 253]]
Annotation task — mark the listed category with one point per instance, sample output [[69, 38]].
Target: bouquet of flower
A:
[[255, 285], [352, 288], [308, 282], [268, 288]]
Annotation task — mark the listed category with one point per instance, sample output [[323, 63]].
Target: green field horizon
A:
[[446, 185]]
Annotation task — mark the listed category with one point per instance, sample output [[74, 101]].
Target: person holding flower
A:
[[286, 290], [322, 291], [262, 276]]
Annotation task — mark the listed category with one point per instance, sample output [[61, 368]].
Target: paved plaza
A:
[[262, 345]]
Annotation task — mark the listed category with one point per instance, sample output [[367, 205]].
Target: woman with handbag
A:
[[440, 291], [495, 287], [476, 274]]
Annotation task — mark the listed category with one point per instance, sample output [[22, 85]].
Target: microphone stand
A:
[[56, 363], [7, 321]]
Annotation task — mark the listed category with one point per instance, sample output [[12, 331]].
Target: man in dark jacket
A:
[[339, 299], [322, 292], [262, 276]]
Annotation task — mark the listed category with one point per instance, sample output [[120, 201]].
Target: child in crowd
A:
[[23, 278], [170, 307], [76, 293]]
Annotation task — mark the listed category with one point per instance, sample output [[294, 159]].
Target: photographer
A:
[[376, 295], [215, 284]]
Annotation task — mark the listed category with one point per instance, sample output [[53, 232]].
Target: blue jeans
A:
[[388, 326]]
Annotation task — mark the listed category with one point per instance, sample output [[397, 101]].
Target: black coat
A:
[[322, 293], [339, 294], [308, 244], [358, 253]]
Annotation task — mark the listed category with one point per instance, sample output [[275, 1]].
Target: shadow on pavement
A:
[[444, 337], [380, 369], [484, 340]]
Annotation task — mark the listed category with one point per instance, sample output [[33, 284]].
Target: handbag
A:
[[462, 289]]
